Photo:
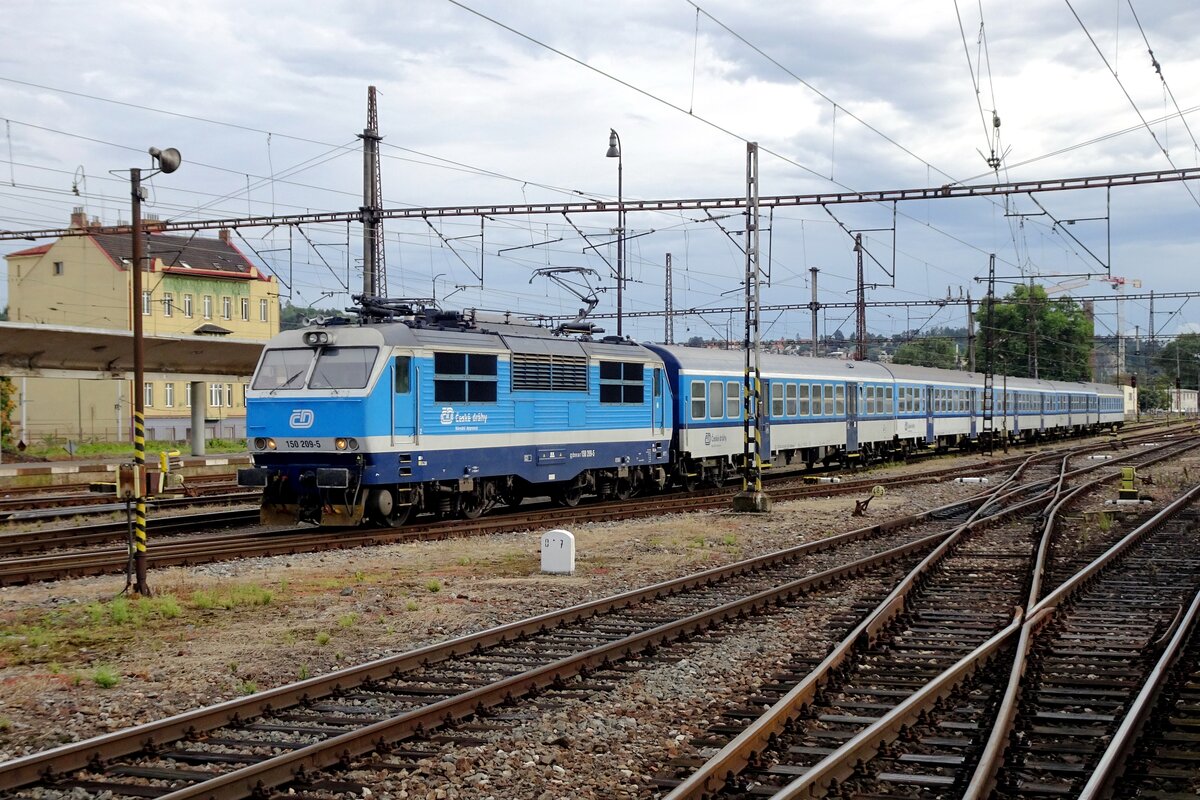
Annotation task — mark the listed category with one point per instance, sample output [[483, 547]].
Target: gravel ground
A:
[[259, 623]]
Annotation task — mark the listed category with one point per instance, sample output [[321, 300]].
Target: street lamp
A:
[[167, 161], [614, 151]]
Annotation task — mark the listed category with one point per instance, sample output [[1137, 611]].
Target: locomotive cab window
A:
[[343, 367], [464, 377], [283, 369], [622, 382]]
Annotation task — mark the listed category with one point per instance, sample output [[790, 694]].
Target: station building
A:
[[192, 286]]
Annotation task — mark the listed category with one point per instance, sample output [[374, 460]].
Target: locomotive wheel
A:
[[624, 489], [569, 496], [471, 504]]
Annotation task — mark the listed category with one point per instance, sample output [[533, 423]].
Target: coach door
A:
[[971, 395], [852, 390], [404, 405], [659, 420], [930, 435]]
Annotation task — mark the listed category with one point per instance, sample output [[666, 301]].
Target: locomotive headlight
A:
[[353, 443], [317, 338], [260, 443], [270, 444], [340, 444]]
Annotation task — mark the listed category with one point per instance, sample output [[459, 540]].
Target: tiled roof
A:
[[33, 251], [185, 252]]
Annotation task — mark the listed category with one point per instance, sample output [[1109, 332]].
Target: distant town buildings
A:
[[192, 286]]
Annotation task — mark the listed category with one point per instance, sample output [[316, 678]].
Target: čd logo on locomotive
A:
[[301, 418]]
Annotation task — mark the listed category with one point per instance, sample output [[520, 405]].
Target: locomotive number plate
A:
[[302, 444]]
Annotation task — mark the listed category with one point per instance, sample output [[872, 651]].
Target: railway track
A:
[[252, 745], [930, 690], [28, 561]]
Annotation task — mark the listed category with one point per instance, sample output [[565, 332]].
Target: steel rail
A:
[[738, 752], [78, 755], [842, 762], [296, 765], [1037, 617], [1109, 769]]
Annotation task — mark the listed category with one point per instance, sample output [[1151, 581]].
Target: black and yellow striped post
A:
[[141, 586], [139, 391]]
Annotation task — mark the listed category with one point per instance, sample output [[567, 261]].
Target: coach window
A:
[[840, 393], [715, 390], [403, 365], [792, 407], [622, 382], [869, 406], [733, 400], [776, 399], [698, 400], [464, 377], [804, 407], [816, 399]]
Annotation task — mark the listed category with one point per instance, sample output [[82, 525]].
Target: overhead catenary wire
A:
[[1128, 97]]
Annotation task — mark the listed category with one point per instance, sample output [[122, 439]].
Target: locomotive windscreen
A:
[[283, 369], [343, 367]]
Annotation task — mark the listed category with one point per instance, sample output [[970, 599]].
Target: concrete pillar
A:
[[198, 406]]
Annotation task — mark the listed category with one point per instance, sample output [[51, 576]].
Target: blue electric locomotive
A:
[[446, 413]]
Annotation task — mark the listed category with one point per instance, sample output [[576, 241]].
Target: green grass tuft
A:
[[105, 677]]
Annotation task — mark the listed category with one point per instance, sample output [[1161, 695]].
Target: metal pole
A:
[[669, 321], [814, 306], [970, 334], [860, 352], [139, 394], [620, 233]]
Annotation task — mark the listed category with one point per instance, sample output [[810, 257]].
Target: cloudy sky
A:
[[511, 102]]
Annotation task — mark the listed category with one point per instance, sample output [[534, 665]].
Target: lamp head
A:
[[614, 145], [168, 160]]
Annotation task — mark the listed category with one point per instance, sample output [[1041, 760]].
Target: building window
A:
[[187, 306], [168, 304], [169, 395], [243, 403], [215, 394], [622, 382], [229, 395], [148, 394], [208, 306], [464, 377], [226, 308], [145, 304], [245, 309], [187, 395], [58, 268], [262, 310]]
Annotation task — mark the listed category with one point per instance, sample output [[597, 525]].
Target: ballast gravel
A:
[[329, 610]]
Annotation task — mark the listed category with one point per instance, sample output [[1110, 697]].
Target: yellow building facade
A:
[[192, 286]]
